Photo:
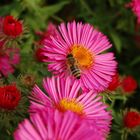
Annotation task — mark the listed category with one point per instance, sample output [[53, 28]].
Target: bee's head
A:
[[69, 55]]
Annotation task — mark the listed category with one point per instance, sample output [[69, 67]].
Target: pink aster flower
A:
[[50, 31], [135, 5], [53, 125], [79, 52], [9, 57], [65, 94]]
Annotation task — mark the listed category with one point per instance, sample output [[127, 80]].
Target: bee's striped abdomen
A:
[[75, 71]]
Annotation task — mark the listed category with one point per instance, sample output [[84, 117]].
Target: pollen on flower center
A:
[[83, 56], [70, 104]]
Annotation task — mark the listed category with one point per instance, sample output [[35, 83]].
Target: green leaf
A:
[[116, 40], [31, 4], [135, 61], [26, 47], [52, 9], [11, 78], [112, 3]]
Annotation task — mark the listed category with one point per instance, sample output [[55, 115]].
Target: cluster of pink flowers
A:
[[10, 29], [73, 108], [9, 57], [69, 106]]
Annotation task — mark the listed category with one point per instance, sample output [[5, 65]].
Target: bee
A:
[[73, 66]]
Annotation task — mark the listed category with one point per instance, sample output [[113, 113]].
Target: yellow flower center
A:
[[82, 55], [72, 105]]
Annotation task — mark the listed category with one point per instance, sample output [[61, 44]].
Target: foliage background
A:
[[109, 16]]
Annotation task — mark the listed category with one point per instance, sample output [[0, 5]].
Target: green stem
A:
[[124, 99], [112, 103], [124, 135], [8, 132], [57, 18]]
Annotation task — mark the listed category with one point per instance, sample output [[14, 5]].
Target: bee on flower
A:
[[86, 45]]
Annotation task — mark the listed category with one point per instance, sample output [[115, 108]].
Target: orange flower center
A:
[[70, 104], [82, 55]]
